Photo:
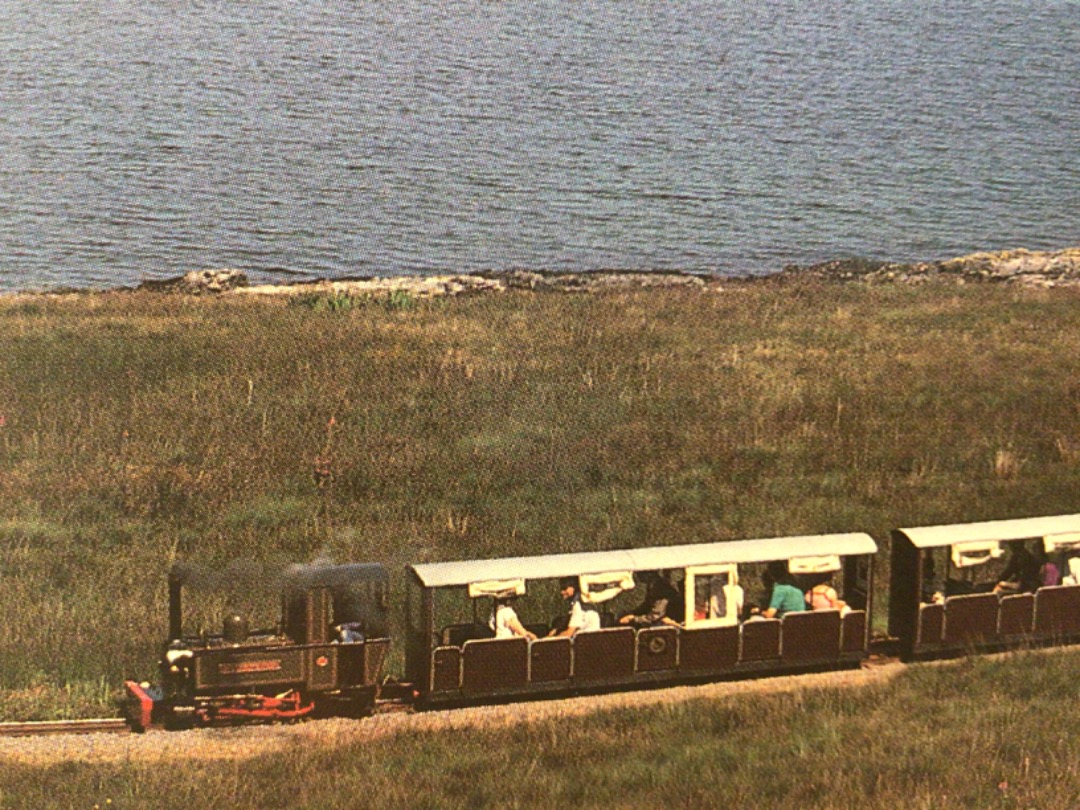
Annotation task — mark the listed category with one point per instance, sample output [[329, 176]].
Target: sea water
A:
[[141, 140]]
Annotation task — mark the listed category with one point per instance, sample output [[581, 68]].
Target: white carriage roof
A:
[[994, 530], [464, 572]]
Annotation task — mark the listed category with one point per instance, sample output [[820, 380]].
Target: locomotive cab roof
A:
[[330, 576], [358, 592]]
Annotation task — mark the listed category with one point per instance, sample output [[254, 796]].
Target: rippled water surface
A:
[[342, 137]]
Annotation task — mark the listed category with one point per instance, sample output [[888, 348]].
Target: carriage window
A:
[[709, 599], [716, 594]]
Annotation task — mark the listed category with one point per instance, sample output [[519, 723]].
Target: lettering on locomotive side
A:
[[241, 667]]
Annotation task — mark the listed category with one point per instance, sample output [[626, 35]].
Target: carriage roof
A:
[[993, 530], [465, 572]]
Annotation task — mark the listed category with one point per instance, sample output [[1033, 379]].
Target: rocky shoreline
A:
[[234, 282], [1059, 268], [1030, 268]]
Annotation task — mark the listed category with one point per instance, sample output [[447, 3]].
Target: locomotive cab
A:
[[322, 652]]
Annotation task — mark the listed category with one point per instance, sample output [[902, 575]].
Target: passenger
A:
[[583, 618], [933, 586], [823, 596], [724, 593], [504, 620], [1073, 577], [349, 632], [1049, 574], [785, 597], [1021, 573], [702, 607], [660, 597], [676, 609]]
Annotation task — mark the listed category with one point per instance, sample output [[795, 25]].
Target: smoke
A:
[[328, 574], [239, 576], [255, 579]]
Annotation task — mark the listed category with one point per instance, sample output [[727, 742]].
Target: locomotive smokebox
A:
[[235, 630]]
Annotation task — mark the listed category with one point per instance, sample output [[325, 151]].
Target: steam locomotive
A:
[[323, 656], [951, 592]]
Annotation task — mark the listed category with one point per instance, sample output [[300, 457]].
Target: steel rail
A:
[[108, 725]]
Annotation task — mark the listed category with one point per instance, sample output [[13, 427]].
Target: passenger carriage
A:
[[961, 612], [451, 656]]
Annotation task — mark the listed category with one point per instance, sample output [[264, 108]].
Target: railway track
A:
[[396, 705], [116, 725], [41, 728]]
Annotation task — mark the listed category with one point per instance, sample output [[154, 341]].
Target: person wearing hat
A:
[[583, 618]]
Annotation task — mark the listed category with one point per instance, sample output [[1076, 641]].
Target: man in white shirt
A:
[[583, 618]]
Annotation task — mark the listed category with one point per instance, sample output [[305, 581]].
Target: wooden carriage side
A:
[[461, 662], [931, 618]]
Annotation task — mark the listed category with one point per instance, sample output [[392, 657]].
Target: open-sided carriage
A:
[[324, 651], [946, 596], [452, 656]]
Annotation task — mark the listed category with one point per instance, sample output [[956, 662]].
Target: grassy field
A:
[[137, 429], [978, 733]]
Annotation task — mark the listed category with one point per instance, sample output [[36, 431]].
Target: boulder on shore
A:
[[1021, 265], [1038, 268], [414, 286], [199, 282], [594, 281]]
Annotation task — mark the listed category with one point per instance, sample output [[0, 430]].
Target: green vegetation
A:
[[137, 429], [979, 733]]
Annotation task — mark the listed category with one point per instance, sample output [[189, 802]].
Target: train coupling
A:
[[396, 696]]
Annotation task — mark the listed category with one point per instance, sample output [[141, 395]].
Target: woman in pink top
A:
[[1049, 575], [824, 597]]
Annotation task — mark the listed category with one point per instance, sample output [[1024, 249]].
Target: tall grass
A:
[[139, 429]]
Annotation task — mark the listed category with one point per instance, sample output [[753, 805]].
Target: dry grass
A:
[[985, 733], [138, 429]]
